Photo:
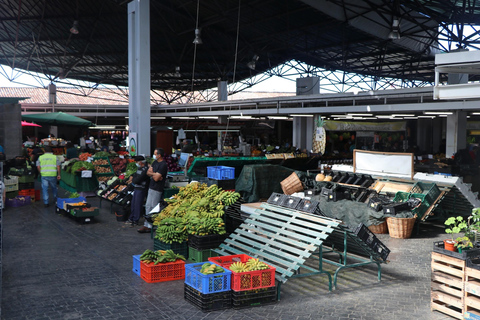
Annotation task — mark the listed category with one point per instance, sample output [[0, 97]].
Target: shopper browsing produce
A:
[[158, 174], [140, 180]]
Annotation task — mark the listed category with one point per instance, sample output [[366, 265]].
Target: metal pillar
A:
[[456, 132], [222, 91], [139, 73], [11, 129], [303, 132]]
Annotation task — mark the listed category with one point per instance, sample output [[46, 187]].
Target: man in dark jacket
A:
[[140, 180]]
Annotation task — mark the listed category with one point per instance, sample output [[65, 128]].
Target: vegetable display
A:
[[102, 154], [82, 165], [84, 156], [172, 164], [119, 165]]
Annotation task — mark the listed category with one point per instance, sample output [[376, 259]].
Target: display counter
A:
[[75, 183]]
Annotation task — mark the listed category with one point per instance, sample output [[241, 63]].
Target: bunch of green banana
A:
[[148, 256], [227, 197], [172, 230], [255, 264], [208, 268], [212, 191], [206, 226]]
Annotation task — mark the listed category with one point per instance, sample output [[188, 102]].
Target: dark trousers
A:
[[137, 204]]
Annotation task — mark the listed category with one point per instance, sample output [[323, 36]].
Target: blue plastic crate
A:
[[61, 202], [221, 172], [207, 283], [136, 264]]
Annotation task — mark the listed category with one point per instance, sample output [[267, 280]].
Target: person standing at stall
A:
[[36, 153], [140, 181], [158, 174], [49, 167]]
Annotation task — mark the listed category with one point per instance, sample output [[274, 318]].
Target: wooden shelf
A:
[[472, 294]]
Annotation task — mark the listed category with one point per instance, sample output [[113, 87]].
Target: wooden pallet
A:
[[472, 294], [447, 287]]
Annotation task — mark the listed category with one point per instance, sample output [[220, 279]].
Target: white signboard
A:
[[379, 163]]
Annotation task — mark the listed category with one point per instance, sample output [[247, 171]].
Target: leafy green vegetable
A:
[[82, 164], [73, 195], [102, 154]]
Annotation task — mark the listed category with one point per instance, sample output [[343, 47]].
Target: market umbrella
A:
[[29, 124], [57, 119]]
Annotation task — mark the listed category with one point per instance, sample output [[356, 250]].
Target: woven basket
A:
[[291, 184], [379, 228], [400, 227]]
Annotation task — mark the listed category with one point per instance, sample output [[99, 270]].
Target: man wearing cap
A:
[[49, 167], [140, 181]]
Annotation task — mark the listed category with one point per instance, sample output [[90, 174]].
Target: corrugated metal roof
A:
[[74, 96]]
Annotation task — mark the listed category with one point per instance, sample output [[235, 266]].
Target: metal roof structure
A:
[[383, 39]]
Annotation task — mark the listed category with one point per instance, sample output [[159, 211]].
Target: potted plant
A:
[[473, 225], [455, 225], [463, 243]]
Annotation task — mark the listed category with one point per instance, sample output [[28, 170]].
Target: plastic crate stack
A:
[[222, 176], [25, 186], [207, 292], [161, 272], [11, 186], [200, 247], [179, 248], [249, 288]]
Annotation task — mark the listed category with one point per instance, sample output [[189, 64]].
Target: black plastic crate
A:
[[290, 202], [224, 184], [179, 248], [337, 195], [363, 195], [344, 178], [325, 191], [254, 298], [337, 176], [307, 205], [206, 242], [367, 182], [370, 239], [394, 208], [473, 263], [359, 180], [473, 253], [376, 203], [232, 223], [311, 192], [208, 302], [26, 185], [276, 198], [351, 179]]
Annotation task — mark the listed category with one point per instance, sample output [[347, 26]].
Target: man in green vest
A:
[[49, 167]]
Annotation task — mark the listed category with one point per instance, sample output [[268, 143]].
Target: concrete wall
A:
[[11, 129]]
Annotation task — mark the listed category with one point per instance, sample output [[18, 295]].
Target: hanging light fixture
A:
[[252, 64], [74, 28], [395, 30], [177, 73], [198, 39]]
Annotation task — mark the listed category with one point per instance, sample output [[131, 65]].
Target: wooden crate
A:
[[472, 294], [447, 288]]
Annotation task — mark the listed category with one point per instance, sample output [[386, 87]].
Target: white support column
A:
[[309, 124], [456, 132], [222, 91], [139, 73], [299, 134]]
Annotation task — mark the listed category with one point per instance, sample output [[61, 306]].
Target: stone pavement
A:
[[57, 268]]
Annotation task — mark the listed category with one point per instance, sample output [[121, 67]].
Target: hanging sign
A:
[[319, 134], [132, 144]]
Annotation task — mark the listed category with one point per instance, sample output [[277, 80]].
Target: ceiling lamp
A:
[[252, 64], [197, 39], [74, 28], [395, 30], [177, 73]]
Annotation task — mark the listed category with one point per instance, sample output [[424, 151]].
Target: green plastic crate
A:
[[200, 255], [430, 190]]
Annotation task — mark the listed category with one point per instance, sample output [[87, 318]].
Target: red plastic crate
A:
[[27, 192], [246, 280], [161, 272]]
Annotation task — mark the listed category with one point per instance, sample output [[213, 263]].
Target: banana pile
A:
[[250, 265], [196, 209], [160, 256], [209, 268]]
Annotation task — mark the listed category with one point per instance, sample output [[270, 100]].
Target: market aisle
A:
[[56, 268]]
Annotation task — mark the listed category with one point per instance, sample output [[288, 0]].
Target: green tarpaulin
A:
[[57, 119]]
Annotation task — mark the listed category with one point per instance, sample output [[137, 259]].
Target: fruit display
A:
[[112, 196], [172, 164], [171, 230], [160, 256], [210, 268], [251, 265], [119, 165], [104, 179]]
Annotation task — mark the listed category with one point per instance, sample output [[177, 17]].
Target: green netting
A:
[[77, 183], [200, 164], [259, 181]]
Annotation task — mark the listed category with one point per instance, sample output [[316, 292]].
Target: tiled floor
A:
[[57, 268]]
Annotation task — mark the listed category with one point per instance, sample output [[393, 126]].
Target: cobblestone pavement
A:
[[57, 268]]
